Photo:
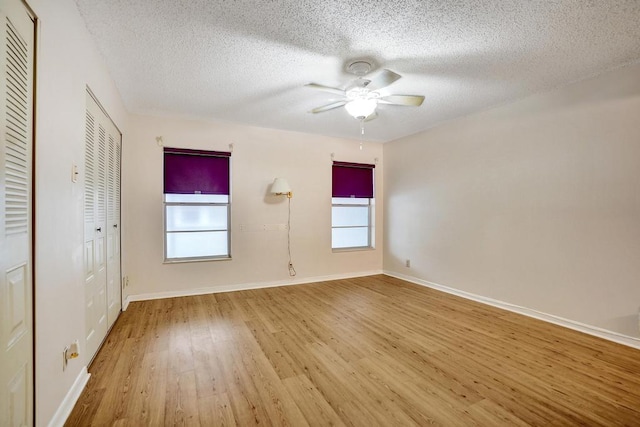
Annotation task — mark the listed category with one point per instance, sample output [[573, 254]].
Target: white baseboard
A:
[[567, 323], [245, 286], [69, 401], [125, 303]]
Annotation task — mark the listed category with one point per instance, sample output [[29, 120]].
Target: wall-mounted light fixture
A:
[[281, 187]]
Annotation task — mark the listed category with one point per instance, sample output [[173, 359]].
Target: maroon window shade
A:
[[196, 171], [352, 180]]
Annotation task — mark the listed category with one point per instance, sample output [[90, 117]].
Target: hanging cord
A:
[[292, 271]]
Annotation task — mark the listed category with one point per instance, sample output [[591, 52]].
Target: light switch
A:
[[74, 173]]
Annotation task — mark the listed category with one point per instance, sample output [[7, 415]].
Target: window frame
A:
[[370, 218], [166, 233], [166, 205]]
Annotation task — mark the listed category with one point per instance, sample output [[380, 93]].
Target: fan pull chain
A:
[[361, 133]]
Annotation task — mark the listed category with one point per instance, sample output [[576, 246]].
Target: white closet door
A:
[[16, 153], [95, 224], [114, 289], [102, 225]]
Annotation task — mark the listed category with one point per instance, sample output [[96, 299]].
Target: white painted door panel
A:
[[94, 230], [102, 225], [16, 153], [114, 287]]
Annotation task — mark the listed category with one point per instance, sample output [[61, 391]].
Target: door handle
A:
[[115, 225], [99, 229]]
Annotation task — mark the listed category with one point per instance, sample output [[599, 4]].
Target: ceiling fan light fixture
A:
[[361, 108]]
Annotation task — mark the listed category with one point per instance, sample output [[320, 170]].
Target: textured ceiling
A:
[[247, 61]]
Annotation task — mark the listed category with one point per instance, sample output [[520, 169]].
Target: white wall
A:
[[535, 203], [66, 62], [259, 156]]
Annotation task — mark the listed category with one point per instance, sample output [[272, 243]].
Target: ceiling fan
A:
[[362, 96]]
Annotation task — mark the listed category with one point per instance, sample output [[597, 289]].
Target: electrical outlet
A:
[[407, 263]]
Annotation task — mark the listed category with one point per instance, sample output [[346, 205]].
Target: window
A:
[[196, 205], [352, 206]]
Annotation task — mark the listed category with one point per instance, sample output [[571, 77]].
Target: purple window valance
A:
[[196, 171], [352, 180]]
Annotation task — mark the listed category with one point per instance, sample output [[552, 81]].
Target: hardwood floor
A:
[[365, 352]]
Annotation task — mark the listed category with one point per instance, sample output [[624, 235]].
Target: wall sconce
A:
[[281, 187]]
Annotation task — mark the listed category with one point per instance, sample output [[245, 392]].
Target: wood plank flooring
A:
[[372, 351]]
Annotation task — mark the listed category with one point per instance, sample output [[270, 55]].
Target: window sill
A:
[[364, 248], [185, 260]]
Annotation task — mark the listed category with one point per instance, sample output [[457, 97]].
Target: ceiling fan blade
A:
[[371, 116], [328, 107], [383, 79], [325, 88], [409, 100]]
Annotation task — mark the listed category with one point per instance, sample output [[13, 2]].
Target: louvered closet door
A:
[[95, 226], [16, 147], [114, 301], [102, 225]]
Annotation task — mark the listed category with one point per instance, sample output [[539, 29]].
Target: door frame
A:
[[34, 119]]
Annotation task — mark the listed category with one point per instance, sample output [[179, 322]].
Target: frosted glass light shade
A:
[[361, 108], [280, 186]]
